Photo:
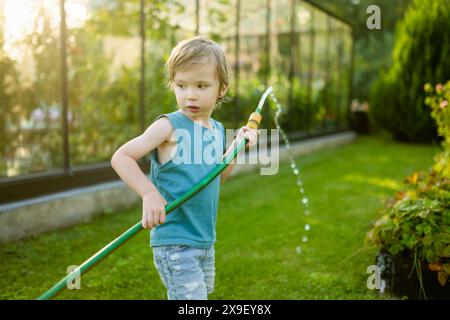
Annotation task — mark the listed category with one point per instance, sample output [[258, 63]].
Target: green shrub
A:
[[416, 222], [438, 100], [421, 51]]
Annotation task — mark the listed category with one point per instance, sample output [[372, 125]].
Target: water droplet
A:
[[304, 200]]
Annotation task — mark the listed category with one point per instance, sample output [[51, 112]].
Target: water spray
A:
[[304, 199]]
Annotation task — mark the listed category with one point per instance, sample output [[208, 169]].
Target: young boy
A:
[[183, 242]]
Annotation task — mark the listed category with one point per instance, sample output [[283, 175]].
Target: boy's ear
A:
[[223, 91]]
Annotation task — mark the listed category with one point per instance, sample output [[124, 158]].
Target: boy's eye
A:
[[200, 86]]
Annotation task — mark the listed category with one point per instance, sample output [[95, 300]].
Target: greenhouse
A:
[[81, 81]]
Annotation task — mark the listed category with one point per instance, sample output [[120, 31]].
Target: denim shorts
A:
[[187, 272]]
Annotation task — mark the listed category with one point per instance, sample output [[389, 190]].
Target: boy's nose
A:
[[192, 94]]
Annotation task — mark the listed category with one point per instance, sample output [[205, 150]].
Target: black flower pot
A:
[[360, 122], [402, 280]]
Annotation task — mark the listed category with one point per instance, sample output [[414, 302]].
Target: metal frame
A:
[[293, 49], [43, 183], [64, 87], [38, 184], [312, 43], [328, 12], [236, 59], [142, 84]]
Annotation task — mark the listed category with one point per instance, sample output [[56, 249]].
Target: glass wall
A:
[[103, 60], [30, 109], [79, 82]]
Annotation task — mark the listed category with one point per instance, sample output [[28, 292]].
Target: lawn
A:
[[259, 232]]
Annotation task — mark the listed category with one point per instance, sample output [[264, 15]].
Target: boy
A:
[[183, 243]]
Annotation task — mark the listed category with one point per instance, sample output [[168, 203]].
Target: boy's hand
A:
[[153, 209], [250, 134]]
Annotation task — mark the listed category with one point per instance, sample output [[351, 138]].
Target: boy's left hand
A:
[[250, 134]]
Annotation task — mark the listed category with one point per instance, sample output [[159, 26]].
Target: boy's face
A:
[[197, 89]]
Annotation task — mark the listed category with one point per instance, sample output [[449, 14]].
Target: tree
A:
[[420, 55]]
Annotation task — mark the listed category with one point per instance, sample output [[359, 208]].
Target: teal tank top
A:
[[199, 150]]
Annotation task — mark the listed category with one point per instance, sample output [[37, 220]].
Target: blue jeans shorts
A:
[[187, 272]]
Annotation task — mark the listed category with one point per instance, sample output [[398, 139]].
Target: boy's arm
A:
[[225, 173], [124, 160]]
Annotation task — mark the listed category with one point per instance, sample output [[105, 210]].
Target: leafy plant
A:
[[416, 221], [438, 99]]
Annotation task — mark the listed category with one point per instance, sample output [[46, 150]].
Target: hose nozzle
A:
[[255, 118]]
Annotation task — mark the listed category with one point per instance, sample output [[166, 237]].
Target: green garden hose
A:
[[253, 122]]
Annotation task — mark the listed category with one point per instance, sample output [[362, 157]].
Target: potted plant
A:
[[413, 232]]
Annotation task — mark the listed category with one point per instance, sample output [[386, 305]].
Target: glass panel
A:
[[347, 42], [280, 51], [319, 67], [30, 91], [339, 83], [103, 47], [332, 84], [305, 36], [252, 55], [165, 27], [218, 21], [104, 71], [217, 18]]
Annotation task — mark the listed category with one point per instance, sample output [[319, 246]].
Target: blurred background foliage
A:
[[373, 48], [305, 56], [304, 52], [393, 64], [420, 55]]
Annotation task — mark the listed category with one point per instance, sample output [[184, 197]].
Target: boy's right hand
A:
[[153, 209]]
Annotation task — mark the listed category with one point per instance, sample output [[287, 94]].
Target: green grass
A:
[[260, 225]]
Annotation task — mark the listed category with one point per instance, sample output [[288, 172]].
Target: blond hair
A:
[[195, 51]]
